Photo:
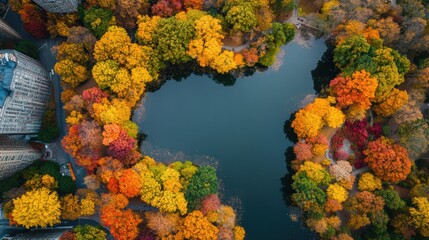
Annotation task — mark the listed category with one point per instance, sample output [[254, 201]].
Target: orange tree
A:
[[389, 161]]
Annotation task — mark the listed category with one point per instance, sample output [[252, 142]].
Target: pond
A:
[[238, 128]]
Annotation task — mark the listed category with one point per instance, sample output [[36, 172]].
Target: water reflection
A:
[[325, 70], [183, 71], [290, 134]]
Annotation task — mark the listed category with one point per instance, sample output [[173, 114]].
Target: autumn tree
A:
[[369, 182], [60, 24], [315, 172], [389, 30], [39, 181], [71, 72], [34, 20], [210, 203], [129, 183], [127, 12], [308, 195], [207, 45], [392, 103], [341, 170], [98, 20], [420, 215], [310, 119], [37, 208], [241, 16], [193, 4], [72, 63], [70, 208], [391, 198], [387, 160], [92, 182], [355, 27], [364, 202], [166, 8], [82, 35], [122, 66], [107, 168], [161, 186], [89, 232], [355, 93], [163, 224], [337, 192], [122, 223], [171, 39], [414, 136], [303, 151], [107, 112], [195, 225], [279, 35]]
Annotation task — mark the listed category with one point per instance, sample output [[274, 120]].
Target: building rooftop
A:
[[7, 66]]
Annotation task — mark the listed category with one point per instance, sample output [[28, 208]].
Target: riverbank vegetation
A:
[[369, 178]]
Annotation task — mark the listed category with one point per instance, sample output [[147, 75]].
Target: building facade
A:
[[24, 92], [15, 155], [7, 32], [58, 6], [42, 234]]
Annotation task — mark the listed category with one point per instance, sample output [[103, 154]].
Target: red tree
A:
[[34, 20], [210, 203]]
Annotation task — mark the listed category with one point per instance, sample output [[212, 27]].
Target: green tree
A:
[[28, 48], [352, 49], [308, 195], [391, 198], [66, 185], [88, 232], [241, 18], [280, 34], [97, 20], [172, 39], [202, 183]]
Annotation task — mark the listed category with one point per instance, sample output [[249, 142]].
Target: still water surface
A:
[[239, 127]]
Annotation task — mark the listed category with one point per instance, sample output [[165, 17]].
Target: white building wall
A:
[[30, 90], [15, 156]]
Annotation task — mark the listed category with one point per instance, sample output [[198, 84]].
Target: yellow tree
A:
[[70, 208], [117, 111], [196, 226], [71, 72], [207, 44], [420, 215], [392, 103], [369, 182], [336, 192], [309, 120], [37, 208]]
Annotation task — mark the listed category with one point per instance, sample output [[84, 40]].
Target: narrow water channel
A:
[[240, 128]]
